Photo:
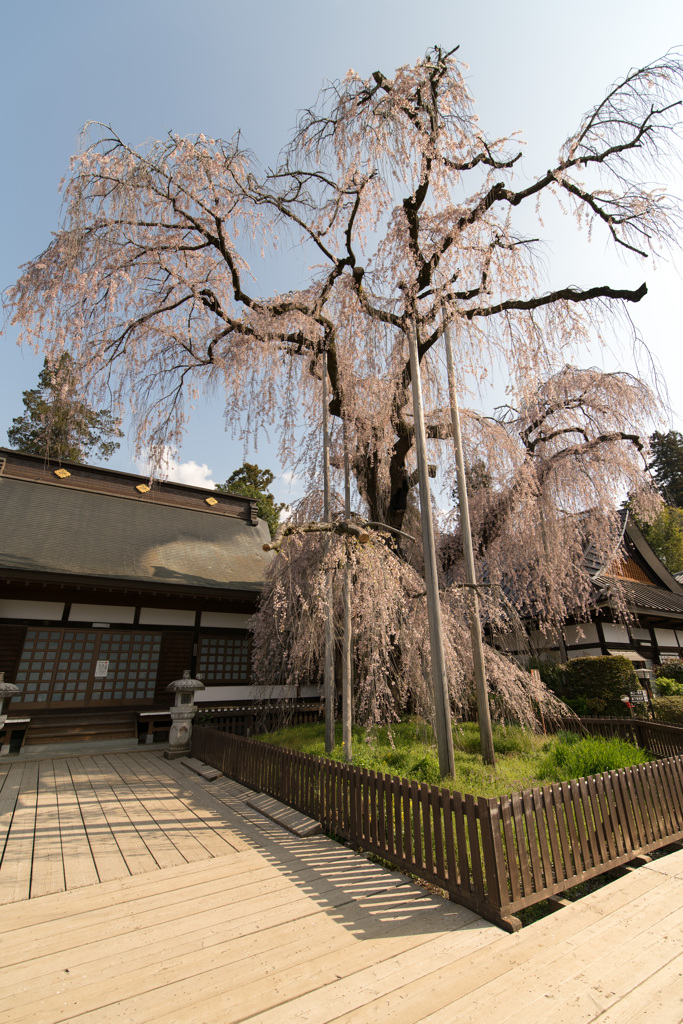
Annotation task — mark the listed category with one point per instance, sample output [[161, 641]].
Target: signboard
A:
[[101, 669], [638, 697]]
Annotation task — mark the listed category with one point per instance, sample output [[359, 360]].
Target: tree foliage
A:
[[57, 424], [405, 205], [664, 534], [412, 217], [391, 633], [253, 482], [557, 462], [667, 463]]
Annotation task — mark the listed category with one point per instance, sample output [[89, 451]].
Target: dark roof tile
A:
[[53, 530]]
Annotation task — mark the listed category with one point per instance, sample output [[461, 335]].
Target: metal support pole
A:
[[442, 710], [347, 666], [329, 613], [483, 710]]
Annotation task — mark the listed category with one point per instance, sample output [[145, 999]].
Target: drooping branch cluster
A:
[[552, 473], [404, 206], [390, 633]]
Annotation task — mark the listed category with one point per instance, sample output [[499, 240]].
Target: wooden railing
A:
[[495, 856], [659, 738], [244, 718]]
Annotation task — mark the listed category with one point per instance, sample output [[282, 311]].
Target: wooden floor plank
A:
[[208, 828], [659, 1000], [290, 931], [8, 802], [146, 943], [137, 856], [79, 866], [109, 861], [560, 975], [151, 832], [410, 997], [47, 874], [215, 872], [15, 876], [271, 986], [262, 897], [322, 945], [173, 817], [652, 938]]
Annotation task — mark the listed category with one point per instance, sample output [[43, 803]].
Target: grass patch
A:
[[573, 756], [523, 759]]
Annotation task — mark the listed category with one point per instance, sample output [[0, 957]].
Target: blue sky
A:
[[150, 66]]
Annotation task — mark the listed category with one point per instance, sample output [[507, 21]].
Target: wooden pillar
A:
[[329, 615], [483, 710], [442, 708]]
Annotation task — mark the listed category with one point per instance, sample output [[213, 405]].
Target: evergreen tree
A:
[[253, 482], [665, 536], [667, 465], [57, 424]]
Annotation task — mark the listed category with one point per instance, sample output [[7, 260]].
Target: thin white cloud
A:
[[189, 472]]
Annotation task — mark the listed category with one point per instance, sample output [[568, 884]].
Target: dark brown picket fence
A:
[[496, 855], [244, 718], [659, 738]]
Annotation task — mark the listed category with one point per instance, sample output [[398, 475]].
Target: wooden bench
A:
[[153, 726], [12, 735]]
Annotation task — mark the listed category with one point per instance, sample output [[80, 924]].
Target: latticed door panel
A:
[[133, 660], [224, 658], [83, 665]]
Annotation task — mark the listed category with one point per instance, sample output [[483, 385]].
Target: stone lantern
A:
[[182, 713], [7, 690]]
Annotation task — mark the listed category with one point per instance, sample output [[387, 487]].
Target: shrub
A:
[[668, 687], [552, 673], [593, 687], [671, 669], [574, 756], [668, 709]]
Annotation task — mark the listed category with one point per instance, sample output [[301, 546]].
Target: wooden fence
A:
[[495, 856], [660, 738], [244, 718]]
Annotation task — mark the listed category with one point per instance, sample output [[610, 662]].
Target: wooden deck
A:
[[184, 906], [67, 823]]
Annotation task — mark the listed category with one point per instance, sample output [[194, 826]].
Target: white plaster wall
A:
[[217, 694], [166, 617], [225, 620], [586, 633], [52, 610], [101, 613], [615, 633], [666, 637]]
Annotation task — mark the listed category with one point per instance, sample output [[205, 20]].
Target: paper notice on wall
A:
[[101, 669]]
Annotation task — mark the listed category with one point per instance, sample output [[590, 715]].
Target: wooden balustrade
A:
[[496, 855]]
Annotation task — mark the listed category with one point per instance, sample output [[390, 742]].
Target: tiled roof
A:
[[644, 595], [49, 529]]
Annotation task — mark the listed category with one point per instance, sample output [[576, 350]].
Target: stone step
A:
[[296, 822], [205, 770]]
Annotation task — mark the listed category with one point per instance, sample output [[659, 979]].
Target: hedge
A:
[[668, 709], [671, 669], [593, 687]]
